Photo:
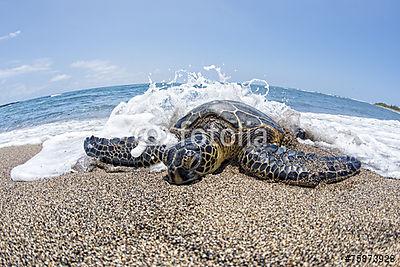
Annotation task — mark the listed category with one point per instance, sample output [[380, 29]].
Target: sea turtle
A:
[[225, 131]]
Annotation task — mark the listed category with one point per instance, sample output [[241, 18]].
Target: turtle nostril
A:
[[167, 178]]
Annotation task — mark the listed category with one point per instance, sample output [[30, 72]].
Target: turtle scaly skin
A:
[[221, 131], [117, 151], [270, 162], [191, 159]]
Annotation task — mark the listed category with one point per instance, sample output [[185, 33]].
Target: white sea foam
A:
[[62, 147], [139, 149], [39, 134], [375, 142], [57, 156]]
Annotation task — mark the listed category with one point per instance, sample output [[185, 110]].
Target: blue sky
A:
[[348, 48]]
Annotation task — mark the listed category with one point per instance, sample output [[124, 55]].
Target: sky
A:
[[343, 47]]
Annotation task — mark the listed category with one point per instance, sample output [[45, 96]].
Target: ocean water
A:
[[62, 121], [97, 103]]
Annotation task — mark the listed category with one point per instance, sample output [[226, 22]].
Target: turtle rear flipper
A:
[[127, 151], [270, 162]]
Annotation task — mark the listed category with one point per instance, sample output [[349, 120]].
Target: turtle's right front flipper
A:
[[271, 162], [127, 151]]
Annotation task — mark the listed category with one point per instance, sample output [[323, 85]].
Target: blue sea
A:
[[99, 102], [61, 122]]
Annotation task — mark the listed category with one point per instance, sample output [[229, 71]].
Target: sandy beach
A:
[[227, 219]]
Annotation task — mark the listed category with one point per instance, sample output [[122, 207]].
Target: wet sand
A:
[[226, 219]]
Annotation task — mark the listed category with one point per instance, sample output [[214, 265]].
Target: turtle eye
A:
[[191, 160]]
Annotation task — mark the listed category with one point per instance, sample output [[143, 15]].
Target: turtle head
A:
[[182, 161]]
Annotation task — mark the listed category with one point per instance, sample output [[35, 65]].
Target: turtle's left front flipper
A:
[[126, 151], [274, 163]]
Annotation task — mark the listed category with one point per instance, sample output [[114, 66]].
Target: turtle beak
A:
[[180, 176]]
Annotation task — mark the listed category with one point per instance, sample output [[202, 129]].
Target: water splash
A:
[[222, 76]]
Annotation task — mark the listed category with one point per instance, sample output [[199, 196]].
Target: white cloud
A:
[[99, 66], [60, 77], [101, 71], [10, 35], [40, 65]]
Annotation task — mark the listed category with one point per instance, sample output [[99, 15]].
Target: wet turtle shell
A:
[[239, 115]]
